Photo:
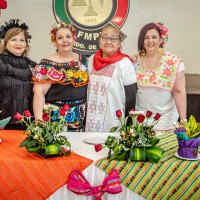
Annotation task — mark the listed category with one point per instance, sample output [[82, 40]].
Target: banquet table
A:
[[178, 179]]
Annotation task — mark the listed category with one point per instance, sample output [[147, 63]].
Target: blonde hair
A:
[[10, 34]]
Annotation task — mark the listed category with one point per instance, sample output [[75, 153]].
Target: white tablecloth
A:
[[93, 174]]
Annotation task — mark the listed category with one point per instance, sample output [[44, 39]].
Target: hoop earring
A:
[[160, 51], [142, 53]]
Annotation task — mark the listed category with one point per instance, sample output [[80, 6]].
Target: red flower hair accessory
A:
[[55, 27], [163, 32]]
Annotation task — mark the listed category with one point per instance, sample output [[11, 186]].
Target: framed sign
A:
[[89, 17]]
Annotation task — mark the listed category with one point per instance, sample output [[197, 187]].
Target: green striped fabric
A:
[[171, 178]]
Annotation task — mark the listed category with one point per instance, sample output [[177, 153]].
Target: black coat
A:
[[16, 89]]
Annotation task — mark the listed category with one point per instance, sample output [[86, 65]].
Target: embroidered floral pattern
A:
[[162, 77], [63, 73]]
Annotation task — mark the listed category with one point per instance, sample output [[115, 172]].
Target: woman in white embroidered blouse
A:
[[160, 77], [112, 84]]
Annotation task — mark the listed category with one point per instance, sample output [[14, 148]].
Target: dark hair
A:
[[143, 33]]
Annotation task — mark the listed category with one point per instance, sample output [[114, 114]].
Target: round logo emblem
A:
[[88, 17]]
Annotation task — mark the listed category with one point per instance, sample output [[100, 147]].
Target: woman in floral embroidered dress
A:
[[62, 78], [160, 77], [112, 83]]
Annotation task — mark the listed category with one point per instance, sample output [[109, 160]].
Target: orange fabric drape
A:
[[28, 176]]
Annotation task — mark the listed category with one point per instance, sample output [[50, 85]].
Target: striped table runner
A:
[[171, 178], [28, 176]]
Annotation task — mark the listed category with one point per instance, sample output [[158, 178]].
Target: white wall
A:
[[182, 17]]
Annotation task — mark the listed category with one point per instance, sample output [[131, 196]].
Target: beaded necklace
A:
[[157, 66]]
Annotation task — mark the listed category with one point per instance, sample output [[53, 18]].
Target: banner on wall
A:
[[88, 17]]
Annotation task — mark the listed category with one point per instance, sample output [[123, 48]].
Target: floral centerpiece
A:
[[188, 135], [46, 137], [137, 140]]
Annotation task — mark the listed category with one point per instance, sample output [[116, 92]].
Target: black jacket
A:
[[16, 89]]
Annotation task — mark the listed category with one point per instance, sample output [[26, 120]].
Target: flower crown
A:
[[13, 23], [163, 32], [55, 27]]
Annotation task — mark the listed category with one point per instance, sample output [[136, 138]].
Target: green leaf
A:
[[113, 129], [126, 119], [50, 138], [28, 145], [138, 154], [33, 149], [121, 156], [164, 77], [154, 141], [33, 142], [141, 135], [24, 142]]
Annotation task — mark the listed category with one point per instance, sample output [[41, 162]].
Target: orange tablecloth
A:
[[28, 176]]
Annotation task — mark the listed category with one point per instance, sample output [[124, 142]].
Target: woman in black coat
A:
[[15, 75]]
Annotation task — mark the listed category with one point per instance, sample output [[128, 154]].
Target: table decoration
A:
[[46, 137], [171, 178], [27, 176], [137, 140], [188, 135], [79, 185]]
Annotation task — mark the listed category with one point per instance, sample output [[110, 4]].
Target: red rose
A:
[[157, 117], [66, 107], [132, 111], [45, 117], [62, 112], [149, 113], [27, 113], [140, 118], [98, 147], [18, 117], [118, 113]]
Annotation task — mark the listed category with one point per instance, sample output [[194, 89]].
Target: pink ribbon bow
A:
[[78, 184]]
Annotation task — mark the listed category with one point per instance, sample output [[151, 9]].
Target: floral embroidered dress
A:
[[106, 94], [69, 86], [155, 89]]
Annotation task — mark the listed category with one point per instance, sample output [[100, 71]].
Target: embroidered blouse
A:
[[74, 73], [155, 87], [164, 76]]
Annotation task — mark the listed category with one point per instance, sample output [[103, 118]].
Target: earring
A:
[[142, 53], [160, 51]]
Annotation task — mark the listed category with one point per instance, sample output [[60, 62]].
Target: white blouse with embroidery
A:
[[155, 89], [106, 94]]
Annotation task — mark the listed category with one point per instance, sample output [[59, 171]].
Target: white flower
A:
[[131, 131], [136, 112], [36, 137], [50, 107]]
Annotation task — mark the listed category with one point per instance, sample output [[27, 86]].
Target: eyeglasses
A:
[[112, 39]]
